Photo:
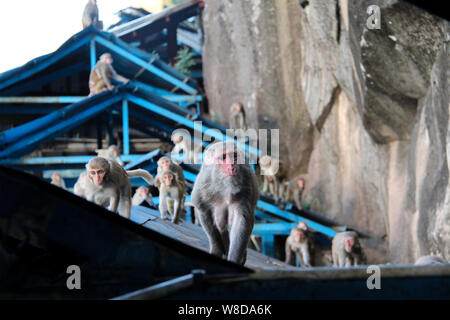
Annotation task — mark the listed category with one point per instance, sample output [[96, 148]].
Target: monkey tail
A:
[[144, 174]]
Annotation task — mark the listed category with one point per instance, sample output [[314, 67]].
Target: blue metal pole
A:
[[189, 214], [268, 244], [92, 53], [61, 99], [262, 205], [125, 127]]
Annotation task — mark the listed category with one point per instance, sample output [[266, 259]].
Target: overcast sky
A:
[[32, 28]]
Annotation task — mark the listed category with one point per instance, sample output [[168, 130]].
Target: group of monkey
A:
[[224, 195]]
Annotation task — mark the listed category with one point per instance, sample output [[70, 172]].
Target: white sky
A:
[[32, 28]]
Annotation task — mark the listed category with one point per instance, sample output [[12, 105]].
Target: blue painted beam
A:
[[268, 247], [262, 215], [189, 176], [125, 127], [61, 99], [279, 228], [156, 200], [92, 54], [150, 88], [151, 68], [142, 159], [60, 160], [185, 121], [294, 217], [182, 98], [42, 80], [41, 66]]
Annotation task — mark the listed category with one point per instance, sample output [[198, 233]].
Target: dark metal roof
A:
[[157, 22], [53, 228], [396, 283]]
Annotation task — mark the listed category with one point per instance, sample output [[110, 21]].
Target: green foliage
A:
[[185, 60], [306, 205]]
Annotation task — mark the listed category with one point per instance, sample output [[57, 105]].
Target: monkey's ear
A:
[[157, 182]]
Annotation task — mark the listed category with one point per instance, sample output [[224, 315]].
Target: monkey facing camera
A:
[[225, 195]]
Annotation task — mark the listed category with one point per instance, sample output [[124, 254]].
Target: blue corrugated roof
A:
[[76, 49]]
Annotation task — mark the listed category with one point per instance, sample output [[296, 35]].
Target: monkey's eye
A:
[[93, 172]]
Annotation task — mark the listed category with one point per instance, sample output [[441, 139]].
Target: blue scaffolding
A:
[[155, 101]]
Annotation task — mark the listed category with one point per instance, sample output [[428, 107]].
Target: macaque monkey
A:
[[301, 242], [225, 194], [171, 195], [430, 260], [99, 79], [80, 190], [58, 180], [112, 153], [165, 163], [237, 116], [190, 148], [269, 169], [80, 185], [346, 250], [142, 194], [90, 15], [295, 189], [107, 179]]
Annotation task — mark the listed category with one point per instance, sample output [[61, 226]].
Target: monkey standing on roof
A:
[[90, 15], [99, 79]]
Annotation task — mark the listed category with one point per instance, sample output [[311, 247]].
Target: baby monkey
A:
[[346, 250], [142, 194], [301, 242], [108, 180], [171, 195], [112, 153], [237, 116]]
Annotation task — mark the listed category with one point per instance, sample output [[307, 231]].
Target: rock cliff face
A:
[[365, 113]]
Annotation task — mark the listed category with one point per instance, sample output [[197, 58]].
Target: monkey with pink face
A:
[[225, 195], [301, 242], [346, 250]]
